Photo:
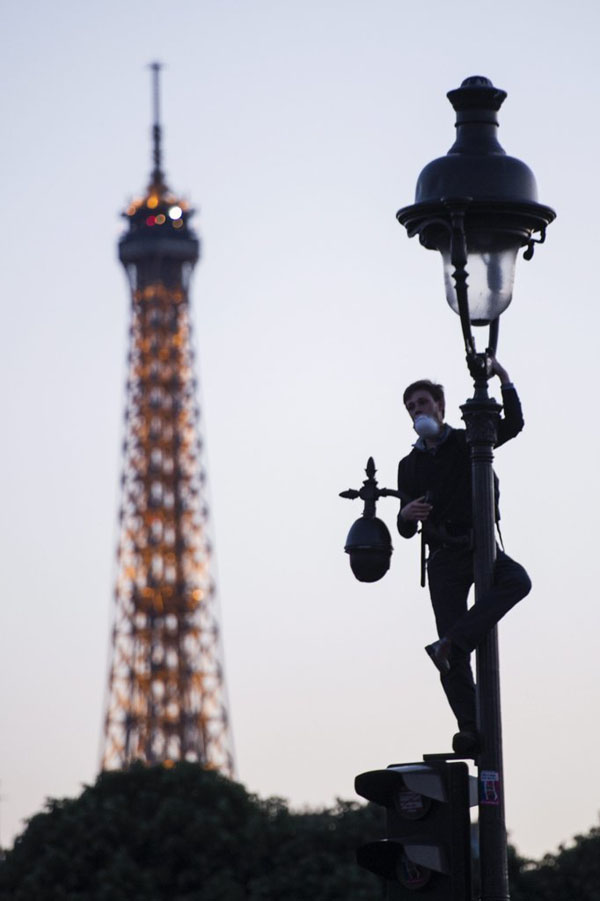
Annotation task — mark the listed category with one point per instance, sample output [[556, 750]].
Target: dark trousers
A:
[[450, 573]]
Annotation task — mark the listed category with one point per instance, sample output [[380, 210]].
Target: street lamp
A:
[[478, 207]]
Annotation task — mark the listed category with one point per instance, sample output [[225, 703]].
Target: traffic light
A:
[[428, 846]]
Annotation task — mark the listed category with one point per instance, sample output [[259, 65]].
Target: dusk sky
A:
[[296, 130]]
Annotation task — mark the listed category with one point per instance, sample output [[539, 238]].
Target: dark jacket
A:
[[444, 474]]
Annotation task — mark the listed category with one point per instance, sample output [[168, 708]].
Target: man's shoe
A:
[[439, 652], [466, 743]]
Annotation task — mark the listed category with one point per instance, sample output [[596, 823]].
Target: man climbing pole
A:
[[434, 481]]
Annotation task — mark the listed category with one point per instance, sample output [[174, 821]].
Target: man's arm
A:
[[411, 511], [512, 422]]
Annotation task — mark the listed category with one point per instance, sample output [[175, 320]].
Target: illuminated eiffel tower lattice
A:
[[166, 698]]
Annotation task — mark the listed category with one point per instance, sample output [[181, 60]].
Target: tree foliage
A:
[[187, 834], [573, 872]]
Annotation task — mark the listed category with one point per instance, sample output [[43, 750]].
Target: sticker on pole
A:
[[489, 787]]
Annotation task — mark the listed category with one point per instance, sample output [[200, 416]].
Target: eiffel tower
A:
[[166, 698]]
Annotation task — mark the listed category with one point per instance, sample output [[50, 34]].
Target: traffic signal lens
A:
[[411, 805], [410, 875]]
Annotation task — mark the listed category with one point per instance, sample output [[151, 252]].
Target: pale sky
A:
[[296, 129]]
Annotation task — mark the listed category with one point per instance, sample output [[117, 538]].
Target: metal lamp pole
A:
[[478, 207], [481, 414]]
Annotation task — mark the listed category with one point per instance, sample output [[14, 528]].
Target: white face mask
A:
[[426, 426]]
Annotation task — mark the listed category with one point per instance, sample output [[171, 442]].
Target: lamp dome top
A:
[[476, 81], [476, 92], [476, 166]]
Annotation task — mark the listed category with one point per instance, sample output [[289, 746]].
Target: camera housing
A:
[[369, 545]]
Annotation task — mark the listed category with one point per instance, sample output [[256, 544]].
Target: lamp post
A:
[[478, 207]]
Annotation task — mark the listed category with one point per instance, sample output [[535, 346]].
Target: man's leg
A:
[[450, 575], [511, 584]]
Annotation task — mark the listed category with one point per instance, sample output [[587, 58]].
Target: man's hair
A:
[[436, 391]]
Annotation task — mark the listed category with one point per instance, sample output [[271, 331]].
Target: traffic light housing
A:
[[428, 846]]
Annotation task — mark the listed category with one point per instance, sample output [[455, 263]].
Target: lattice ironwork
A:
[[166, 693]]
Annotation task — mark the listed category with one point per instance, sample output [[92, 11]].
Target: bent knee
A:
[[514, 578], [521, 584], [525, 586]]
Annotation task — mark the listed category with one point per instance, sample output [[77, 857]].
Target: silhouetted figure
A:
[[436, 476]]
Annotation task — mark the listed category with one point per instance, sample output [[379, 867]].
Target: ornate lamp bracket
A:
[[370, 491], [532, 242], [479, 364], [458, 255], [453, 223]]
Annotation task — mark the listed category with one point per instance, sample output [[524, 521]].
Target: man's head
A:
[[425, 398]]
